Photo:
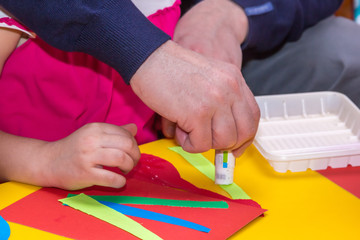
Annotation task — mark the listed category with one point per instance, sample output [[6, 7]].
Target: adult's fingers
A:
[[198, 139], [252, 120], [246, 122], [168, 128], [224, 131], [239, 151]]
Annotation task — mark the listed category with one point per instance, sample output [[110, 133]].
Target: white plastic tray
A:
[[308, 130]]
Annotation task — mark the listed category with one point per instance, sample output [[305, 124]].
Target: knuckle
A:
[[233, 78], [93, 126], [128, 143], [89, 141], [92, 129], [218, 95], [203, 110], [257, 113]]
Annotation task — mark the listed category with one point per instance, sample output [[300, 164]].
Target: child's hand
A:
[[76, 161]]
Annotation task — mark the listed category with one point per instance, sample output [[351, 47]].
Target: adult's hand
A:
[[216, 29], [207, 99]]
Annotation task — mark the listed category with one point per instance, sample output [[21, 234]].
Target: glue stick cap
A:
[[224, 167]]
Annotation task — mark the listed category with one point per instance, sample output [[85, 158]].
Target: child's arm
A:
[[74, 162], [9, 38]]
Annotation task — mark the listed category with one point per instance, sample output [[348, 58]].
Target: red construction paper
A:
[[42, 210], [347, 178]]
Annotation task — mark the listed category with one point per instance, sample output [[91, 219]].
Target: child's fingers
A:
[[102, 177], [131, 128], [115, 158], [122, 143], [114, 129]]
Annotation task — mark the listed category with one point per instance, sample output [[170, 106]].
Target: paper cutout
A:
[[159, 201], [347, 178], [208, 169], [92, 207], [156, 170], [4, 229], [150, 178], [137, 212]]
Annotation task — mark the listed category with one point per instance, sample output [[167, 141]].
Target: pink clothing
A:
[[47, 93], [7, 22]]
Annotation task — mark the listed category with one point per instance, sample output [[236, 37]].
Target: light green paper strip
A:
[[158, 201], [92, 207], [202, 164]]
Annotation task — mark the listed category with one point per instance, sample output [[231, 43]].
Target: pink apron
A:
[[47, 93]]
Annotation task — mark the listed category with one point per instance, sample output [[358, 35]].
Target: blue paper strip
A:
[[137, 212], [4, 229]]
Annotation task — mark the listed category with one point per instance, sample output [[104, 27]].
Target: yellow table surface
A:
[[302, 205]]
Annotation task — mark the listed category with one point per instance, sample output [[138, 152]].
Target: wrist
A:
[[232, 14], [239, 20]]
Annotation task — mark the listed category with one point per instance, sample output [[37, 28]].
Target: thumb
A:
[[181, 137], [168, 128]]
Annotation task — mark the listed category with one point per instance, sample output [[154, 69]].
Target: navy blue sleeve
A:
[[274, 22], [113, 31]]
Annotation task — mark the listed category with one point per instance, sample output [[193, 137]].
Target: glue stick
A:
[[224, 167]]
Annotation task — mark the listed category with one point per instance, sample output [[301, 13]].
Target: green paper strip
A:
[[202, 164], [158, 201], [92, 207]]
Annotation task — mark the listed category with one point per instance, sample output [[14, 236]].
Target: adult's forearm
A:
[[115, 32]]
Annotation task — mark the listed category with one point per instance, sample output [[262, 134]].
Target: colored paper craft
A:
[[4, 229], [92, 207], [208, 169], [151, 178], [347, 178], [159, 201], [137, 212], [156, 170]]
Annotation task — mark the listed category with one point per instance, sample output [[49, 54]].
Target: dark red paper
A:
[[42, 210], [347, 178]]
